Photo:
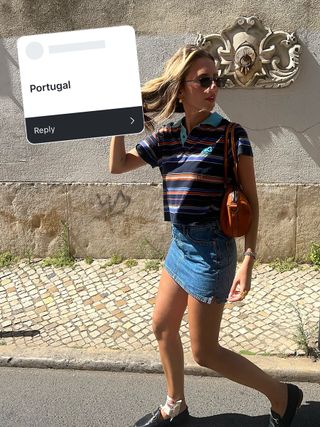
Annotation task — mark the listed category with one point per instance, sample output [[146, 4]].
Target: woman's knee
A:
[[164, 330], [206, 356]]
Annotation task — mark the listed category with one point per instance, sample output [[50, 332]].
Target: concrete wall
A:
[[283, 124]]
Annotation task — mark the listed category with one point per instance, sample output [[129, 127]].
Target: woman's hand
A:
[[241, 284]]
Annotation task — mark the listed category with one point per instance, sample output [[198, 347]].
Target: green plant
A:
[[150, 251], [303, 335], [247, 353], [314, 255], [152, 264], [7, 258], [115, 259], [88, 260], [282, 265], [257, 263], [131, 262], [63, 257], [29, 255]]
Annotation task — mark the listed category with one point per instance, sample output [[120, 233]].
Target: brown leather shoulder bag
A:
[[235, 213]]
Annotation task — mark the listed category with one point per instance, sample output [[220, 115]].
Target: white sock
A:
[[171, 407]]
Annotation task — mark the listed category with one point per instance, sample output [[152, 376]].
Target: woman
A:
[[199, 270]]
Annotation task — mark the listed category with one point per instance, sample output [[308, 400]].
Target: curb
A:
[[288, 369]]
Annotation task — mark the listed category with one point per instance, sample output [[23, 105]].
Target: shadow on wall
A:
[[294, 109], [271, 114], [6, 89]]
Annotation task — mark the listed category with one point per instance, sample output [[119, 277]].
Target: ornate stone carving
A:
[[249, 55]]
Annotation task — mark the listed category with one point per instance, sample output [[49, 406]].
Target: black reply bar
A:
[[90, 124]]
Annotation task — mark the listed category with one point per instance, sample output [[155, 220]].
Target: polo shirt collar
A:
[[213, 119]]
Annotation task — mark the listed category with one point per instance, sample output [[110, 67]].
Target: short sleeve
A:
[[242, 142], [149, 149]]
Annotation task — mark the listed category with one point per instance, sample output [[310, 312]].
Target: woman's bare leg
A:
[[170, 306], [204, 323]]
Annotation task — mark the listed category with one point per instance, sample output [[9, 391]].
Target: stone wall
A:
[[127, 219]]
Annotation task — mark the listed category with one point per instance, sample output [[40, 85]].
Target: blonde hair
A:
[[160, 95]]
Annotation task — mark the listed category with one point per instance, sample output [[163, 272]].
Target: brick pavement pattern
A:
[[93, 306]]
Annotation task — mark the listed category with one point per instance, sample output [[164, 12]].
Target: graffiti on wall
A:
[[108, 206]]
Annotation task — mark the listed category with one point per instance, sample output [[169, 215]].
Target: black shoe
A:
[[295, 396], [155, 420]]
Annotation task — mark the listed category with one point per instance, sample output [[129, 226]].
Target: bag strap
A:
[[230, 130], [234, 154], [225, 158]]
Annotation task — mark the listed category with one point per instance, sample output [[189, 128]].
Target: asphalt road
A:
[[41, 398]]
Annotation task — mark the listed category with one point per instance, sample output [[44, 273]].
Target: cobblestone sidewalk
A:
[[111, 307]]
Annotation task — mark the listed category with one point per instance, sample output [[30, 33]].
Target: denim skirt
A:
[[202, 260]]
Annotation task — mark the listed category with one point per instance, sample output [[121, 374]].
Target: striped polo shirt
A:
[[192, 167]]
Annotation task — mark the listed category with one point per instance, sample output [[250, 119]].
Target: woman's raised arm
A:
[[119, 160]]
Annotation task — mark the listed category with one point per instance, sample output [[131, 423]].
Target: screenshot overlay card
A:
[[80, 84]]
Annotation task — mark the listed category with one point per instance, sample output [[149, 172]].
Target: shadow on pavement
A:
[[229, 420], [11, 334], [307, 416]]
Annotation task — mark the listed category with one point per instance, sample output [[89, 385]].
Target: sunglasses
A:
[[206, 82]]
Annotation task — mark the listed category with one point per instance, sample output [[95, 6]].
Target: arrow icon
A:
[[132, 120]]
